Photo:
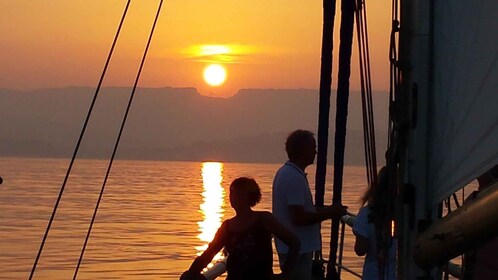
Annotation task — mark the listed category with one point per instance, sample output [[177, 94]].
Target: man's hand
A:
[[337, 211]]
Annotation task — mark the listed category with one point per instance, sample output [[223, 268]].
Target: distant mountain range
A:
[[173, 123]]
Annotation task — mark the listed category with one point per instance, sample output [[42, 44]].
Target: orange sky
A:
[[271, 44]]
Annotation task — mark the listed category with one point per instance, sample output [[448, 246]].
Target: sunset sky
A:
[[260, 43]]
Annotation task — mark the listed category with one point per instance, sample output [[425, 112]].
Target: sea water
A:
[[155, 217]]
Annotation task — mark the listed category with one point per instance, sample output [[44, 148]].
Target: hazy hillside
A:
[[171, 123]]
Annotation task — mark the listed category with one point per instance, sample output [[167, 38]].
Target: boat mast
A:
[[447, 119], [415, 63]]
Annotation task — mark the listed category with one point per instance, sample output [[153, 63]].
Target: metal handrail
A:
[[216, 270], [454, 270], [348, 270], [347, 219]]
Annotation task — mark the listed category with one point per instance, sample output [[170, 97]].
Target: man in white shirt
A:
[[293, 203]]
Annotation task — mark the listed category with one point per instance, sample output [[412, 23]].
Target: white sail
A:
[[464, 132]]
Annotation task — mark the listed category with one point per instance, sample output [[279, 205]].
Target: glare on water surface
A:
[[212, 204]]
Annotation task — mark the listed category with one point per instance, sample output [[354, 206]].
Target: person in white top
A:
[[366, 234], [292, 203]]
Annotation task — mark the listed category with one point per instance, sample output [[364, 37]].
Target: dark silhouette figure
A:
[[368, 230], [247, 239], [293, 203]]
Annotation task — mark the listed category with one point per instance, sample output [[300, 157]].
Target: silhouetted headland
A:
[[174, 124]]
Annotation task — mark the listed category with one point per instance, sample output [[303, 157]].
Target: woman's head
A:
[[244, 191], [374, 192]]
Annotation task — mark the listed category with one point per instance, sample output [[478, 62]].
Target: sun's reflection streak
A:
[[212, 206]]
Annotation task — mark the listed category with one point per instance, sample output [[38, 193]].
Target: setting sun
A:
[[215, 74]]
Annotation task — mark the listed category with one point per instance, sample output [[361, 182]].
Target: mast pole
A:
[[346, 35], [324, 105], [414, 104]]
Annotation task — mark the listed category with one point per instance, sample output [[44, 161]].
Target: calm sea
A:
[[154, 219]]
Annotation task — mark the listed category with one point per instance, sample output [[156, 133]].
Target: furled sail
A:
[[464, 115]]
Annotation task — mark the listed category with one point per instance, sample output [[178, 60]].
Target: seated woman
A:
[[247, 239], [368, 231]]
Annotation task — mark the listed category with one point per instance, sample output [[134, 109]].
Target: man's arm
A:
[[301, 217]]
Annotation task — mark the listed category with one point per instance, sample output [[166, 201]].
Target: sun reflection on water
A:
[[212, 205]]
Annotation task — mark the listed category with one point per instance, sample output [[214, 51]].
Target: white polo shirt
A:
[[290, 187]]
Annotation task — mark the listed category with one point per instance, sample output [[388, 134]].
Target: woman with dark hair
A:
[[368, 230], [247, 238]]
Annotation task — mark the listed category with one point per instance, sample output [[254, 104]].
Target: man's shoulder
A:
[[284, 166], [288, 169], [286, 174]]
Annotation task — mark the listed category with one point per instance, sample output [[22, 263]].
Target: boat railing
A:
[[454, 270], [348, 220], [216, 270]]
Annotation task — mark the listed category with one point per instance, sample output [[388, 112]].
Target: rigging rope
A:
[[366, 92], [33, 269], [346, 36], [329, 10], [119, 137], [324, 103], [384, 210], [395, 78], [384, 227]]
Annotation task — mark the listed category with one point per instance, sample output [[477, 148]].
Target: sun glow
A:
[[219, 53], [213, 50], [215, 75]]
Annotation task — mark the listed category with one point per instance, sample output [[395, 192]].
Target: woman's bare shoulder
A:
[[264, 214], [266, 217]]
